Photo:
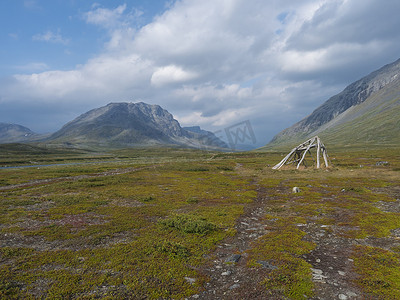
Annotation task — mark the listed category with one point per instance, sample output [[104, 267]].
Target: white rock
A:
[[351, 294], [296, 190], [316, 271], [343, 297], [190, 280]]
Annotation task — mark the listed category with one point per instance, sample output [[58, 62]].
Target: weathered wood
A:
[[304, 154], [297, 155], [318, 151]]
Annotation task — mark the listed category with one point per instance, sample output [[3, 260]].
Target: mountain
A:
[[131, 124], [13, 133], [365, 112]]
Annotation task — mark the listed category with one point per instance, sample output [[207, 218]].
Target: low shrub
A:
[[189, 224]]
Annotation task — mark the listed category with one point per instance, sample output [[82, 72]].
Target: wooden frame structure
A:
[[298, 154]]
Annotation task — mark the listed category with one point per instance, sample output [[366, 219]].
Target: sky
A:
[[211, 63]]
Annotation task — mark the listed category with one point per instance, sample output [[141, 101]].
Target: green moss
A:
[[283, 247], [116, 247], [379, 271], [189, 224], [375, 223], [293, 279], [173, 249]]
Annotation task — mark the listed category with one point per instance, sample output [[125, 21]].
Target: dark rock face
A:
[[12, 133], [130, 124], [353, 95]]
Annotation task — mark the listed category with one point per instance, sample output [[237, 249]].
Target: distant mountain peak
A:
[[130, 124], [12, 133]]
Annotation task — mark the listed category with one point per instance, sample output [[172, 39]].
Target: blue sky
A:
[[54, 34], [212, 63]]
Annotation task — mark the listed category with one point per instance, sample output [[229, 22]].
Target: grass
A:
[[283, 247], [379, 271], [136, 234], [189, 224], [141, 233]]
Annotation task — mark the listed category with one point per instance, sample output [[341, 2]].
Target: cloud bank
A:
[[216, 63]]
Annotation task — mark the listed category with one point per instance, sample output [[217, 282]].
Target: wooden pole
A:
[[305, 152], [282, 162], [318, 151], [325, 157]]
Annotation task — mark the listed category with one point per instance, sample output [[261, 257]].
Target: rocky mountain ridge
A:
[[131, 124], [119, 125], [355, 101]]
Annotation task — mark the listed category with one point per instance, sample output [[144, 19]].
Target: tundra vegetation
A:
[[145, 223]]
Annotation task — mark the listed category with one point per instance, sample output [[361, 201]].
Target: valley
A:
[[173, 223]]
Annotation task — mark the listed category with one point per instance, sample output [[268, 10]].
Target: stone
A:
[[235, 286], [267, 265], [342, 297], [227, 273], [316, 271], [296, 190], [341, 273], [190, 280], [233, 258], [317, 275], [351, 294]]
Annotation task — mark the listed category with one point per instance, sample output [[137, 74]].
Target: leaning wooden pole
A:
[[283, 161], [325, 157], [318, 152], [305, 152]]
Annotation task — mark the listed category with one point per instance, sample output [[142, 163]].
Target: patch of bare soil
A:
[[230, 277], [332, 267]]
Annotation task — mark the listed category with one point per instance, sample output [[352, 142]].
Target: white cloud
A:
[[170, 74], [50, 36], [106, 17], [213, 63], [112, 18]]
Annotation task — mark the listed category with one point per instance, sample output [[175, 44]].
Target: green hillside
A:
[[379, 125]]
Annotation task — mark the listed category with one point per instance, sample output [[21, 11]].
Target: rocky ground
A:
[[337, 213], [333, 273]]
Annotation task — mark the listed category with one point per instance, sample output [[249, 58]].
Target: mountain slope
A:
[[129, 124], [13, 133], [367, 111]]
